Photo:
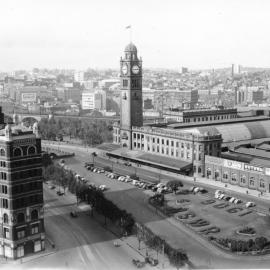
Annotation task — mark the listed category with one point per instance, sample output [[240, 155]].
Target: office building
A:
[[21, 192]]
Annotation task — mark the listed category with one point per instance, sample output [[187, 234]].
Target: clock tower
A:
[[131, 94]]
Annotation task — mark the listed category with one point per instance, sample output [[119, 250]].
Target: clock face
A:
[[124, 69], [135, 69]]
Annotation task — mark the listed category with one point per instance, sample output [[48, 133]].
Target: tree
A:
[[177, 258], [94, 154], [46, 160], [174, 185]]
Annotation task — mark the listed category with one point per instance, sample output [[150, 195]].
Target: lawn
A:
[[228, 223]]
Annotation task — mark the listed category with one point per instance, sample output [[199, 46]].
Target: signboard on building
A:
[[233, 164], [28, 97], [267, 171], [215, 160], [248, 167]]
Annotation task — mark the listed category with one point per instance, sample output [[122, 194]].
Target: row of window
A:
[[21, 233], [26, 187], [25, 162], [20, 218], [135, 83], [173, 143], [209, 118], [18, 151], [22, 202], [26, 174], [234, 178]]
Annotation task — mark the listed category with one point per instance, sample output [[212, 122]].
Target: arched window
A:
[[20, 218], [208, 172], [31, 150], [17, 152], [225, 175], [217, 174], [199, 169], [2, 152], [34, 214], [5, 218], [243, 179]]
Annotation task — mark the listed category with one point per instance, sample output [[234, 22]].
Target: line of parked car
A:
[[220, 195], [159, 188]]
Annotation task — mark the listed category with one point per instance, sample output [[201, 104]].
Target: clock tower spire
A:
[[131, 94]]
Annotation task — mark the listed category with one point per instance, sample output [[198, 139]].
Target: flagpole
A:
[[130, 34]]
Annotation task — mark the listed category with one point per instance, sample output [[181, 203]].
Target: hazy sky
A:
[[168, 33]]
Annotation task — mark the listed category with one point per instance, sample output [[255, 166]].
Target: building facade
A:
[[130, 132], [237, 173], [21, 193], [196, 116]]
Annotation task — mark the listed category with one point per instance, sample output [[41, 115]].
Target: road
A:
[[134, 200], [81, 243]]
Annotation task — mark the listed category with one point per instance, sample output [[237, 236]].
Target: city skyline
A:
[[81, 34]]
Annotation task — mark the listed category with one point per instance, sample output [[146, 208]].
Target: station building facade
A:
[[130, 133], [237, 173]]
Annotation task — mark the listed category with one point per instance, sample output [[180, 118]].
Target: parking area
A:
[[208, 215]]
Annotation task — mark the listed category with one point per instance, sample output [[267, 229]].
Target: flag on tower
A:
[[128, 27]]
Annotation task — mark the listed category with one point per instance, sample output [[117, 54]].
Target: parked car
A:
[[59, 193], [127, 163], [135, 182], [232, 200], [73, 214], [102, 187], [121, 178], [250, 204], [227, 198], [237, 201]]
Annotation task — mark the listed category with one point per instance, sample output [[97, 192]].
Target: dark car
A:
[[151, 261], [127, 164], [73, 214], [59, 193]]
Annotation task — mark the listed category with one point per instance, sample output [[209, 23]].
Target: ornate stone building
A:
[[21, 192]]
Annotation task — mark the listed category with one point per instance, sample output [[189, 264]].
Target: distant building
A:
[[79, 76], [193, 116], [184, 70], [171, 98], [248, 95], [22, 214], [33, 94], [94, 100]]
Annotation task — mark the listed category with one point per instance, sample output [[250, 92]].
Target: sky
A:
[[79, 34]]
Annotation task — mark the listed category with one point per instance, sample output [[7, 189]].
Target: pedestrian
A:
[[247, 191]]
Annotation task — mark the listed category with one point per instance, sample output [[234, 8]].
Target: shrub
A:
[[208, 202], [247, 230], [221, 205], [235, 210], [157, 200]]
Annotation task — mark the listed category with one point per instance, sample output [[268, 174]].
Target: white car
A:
[[102, 187], [121, 178], [232, 200], [160, 185], [250, 204], [134, 182]]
